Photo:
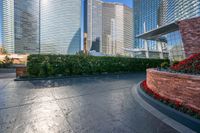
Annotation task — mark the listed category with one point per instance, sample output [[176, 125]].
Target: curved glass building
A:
[[60, 26], [42, 26]]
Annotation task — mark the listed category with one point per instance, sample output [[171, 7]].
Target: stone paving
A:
[[101, 104]]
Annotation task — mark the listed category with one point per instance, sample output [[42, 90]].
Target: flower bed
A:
[[190, 65], [176, 104]]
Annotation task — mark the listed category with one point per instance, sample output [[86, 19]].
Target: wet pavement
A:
[[101, 104]]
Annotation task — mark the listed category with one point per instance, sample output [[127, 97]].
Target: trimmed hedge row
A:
[[65, 65]]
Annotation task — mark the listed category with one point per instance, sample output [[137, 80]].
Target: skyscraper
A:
[[170, 12], [109, 27], [8, 25], [42, 26], [60, 26], [26, 26], [145, 19], [128, 29], [161, 21], [94, 24]]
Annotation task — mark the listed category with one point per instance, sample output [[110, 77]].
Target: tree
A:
[[3, 51], [8, 61]]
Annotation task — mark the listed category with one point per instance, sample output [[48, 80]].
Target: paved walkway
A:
[[102, 104]]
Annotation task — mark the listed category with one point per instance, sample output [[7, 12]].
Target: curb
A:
[[168, 115], [75, 76]]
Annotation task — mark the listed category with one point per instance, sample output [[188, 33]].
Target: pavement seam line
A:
[[21, 105], [52, 93], [5, 85], [92, 93], [162, 117]]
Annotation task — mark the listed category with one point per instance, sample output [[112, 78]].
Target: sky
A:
[[126, 2]]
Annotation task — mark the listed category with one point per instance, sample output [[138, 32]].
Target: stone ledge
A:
[[178, 87]]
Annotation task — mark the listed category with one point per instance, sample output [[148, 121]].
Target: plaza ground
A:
[[99, 104]]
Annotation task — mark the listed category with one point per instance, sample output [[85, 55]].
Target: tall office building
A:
[[26, 26], [109, 27], [128, 30], [93, 14], [42, 26], [60, 26], [170, 12], [145, 19], [168, 17]]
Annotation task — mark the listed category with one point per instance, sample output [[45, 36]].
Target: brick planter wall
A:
[[21, 71], [178, 87], [190, 32]]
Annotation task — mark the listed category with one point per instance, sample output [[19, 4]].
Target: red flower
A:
[[177, 103], [189, 65]]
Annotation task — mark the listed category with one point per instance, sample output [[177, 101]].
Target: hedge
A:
[[66, 65]]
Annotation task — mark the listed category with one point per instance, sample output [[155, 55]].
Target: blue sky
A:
[[126, 2]]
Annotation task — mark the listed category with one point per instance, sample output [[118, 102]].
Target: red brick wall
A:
[[190, 32], [21, 71], [180, 87]]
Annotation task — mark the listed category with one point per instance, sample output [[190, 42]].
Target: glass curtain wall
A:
[[145, 19], [26, 26]]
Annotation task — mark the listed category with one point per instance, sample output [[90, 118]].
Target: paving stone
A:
[[44, 117], [99, 104]]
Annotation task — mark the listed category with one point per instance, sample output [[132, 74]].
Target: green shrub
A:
[[1, 64], [175, 63], [55, 65], [165, 65]]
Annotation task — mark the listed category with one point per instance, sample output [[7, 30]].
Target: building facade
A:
[[167, 14], [145, 19], [42, 26], [172, 11], [26, 26], [8, 26], [109, 27], [94, 24], [128, 28]]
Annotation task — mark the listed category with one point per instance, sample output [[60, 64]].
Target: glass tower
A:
[[42, 26], [108, 27], [26, 26], [145, 19], [151, 15], [8, 26], [94, 24], [60, 26], [176, 10], [172, 11]]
